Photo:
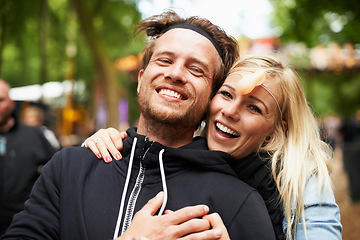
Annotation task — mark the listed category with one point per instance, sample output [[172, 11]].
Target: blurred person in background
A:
[[350, 132], [23, 151], [34, 116], [330, 130]]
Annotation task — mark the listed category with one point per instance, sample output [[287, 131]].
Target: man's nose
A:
[[177, 73]]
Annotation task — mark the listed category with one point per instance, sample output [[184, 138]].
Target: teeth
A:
[[170, 93], [226, 129]]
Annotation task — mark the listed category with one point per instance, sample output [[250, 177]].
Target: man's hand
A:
[[183, 224]]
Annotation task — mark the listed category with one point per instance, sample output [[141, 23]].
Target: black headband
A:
[[198, 30]]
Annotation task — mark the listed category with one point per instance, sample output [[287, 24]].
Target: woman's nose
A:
[[231, 110]]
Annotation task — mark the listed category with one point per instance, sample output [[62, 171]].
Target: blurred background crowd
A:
[[72, 65]]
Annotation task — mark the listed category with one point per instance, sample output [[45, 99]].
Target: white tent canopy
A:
[[47, 92]]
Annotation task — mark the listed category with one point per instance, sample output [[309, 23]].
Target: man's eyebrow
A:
[[164, 52], [202, 63]]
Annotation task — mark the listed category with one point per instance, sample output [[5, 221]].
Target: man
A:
[[23, 150], [80, 197], [34, 116]]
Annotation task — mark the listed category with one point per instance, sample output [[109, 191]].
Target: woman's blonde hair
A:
[[296, 148]]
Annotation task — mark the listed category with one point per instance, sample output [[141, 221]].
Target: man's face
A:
[[175, 87], [6, 104]]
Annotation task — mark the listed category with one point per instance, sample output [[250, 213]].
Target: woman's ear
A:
[[285, 125]]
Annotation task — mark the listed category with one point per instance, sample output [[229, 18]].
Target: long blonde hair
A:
[[296, 148]]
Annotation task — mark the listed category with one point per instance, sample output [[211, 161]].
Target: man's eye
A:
[[164, 60], [197, 71]]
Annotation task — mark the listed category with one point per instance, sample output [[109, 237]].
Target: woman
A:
[[269, 125]]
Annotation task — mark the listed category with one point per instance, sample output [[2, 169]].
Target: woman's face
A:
[[238, 124]]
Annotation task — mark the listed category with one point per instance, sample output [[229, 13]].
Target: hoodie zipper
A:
[[136, 190]]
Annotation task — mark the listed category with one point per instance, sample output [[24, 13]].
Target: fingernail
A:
[[107, 159], [166, 211], [206, 208], [118, 156], [217, 233], [99, 155]]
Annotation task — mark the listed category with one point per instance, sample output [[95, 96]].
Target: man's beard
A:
[[188, 119], [4, 119]]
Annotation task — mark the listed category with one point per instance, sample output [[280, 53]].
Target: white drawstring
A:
[[163, 180], [125, 190]]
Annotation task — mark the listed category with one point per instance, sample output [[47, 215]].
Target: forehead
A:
[[270, 83], [4, 90], [187, 43]]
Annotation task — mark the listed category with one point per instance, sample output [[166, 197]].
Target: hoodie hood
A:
[[196, 154]]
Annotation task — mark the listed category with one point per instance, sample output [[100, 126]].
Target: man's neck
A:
[[7, 126], [173, 136]]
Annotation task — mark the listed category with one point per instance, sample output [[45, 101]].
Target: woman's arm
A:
[[322, 214]]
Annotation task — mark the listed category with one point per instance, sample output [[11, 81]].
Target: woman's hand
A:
[[104, 141], [182, 224]]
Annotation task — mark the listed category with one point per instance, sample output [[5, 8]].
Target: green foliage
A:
[[332, 93], [317, 22], [20, 38], [321, 22]]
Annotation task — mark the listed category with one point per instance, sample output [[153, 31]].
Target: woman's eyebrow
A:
[[259, 100], [226, 85]]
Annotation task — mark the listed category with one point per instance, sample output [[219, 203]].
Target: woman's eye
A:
[[255, 109], [225, 94]]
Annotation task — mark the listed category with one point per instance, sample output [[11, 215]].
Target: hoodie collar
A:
[[194, 154]]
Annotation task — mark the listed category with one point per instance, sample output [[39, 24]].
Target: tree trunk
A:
[[103, 63], [43, 38]]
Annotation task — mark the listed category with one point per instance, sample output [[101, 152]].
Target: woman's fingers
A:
[[105, 142], [102, 139], [89, 143], [114, 142]]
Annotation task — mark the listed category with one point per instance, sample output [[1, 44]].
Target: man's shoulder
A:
[[78, 152], [72, 156], [23, 128]]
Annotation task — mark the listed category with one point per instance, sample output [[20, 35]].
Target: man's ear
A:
[[140, 75]]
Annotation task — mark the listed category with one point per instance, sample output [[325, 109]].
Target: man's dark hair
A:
[[154, 26]]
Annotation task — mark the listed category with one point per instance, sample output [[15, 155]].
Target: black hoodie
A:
[[80, 197], [255, 170]]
